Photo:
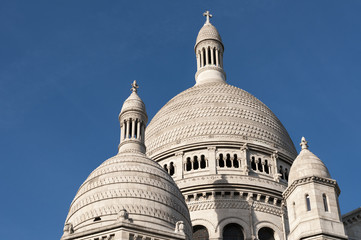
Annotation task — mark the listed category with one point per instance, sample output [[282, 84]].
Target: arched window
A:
[[228, 161], [165, 167], [221, 160], [308, 202], [204, 57], [195, 163], [266, 233], [214, 56], [209, 56], [235, 161], [200, 233], [171, 169], [253, 164], [188, 164], [260, 167], [325, 203], [233, 231], [286, 174], [203, 162]]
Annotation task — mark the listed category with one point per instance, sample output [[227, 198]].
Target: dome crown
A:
[[133, 102], [307, 164]]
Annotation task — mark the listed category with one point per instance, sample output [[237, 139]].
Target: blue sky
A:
[[66, 68]]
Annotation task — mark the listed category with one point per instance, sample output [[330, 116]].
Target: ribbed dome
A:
[[133, 102], [208, 31], [215, 112], [307, 164], [133, 182]]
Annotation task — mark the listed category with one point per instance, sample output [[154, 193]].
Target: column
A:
[[179, 170], [244, 157], [127, 133], [138, 129], [221, 59], [133, 128], [217, 58], [202, 58], [212, 160], [142, 131], [206, 63], [198, 61]]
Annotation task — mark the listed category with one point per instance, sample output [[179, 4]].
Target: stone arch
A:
[[267, 224], [224, 222], [200, 232], [206, 223]]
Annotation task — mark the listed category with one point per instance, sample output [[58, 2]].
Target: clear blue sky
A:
[[66, 68]]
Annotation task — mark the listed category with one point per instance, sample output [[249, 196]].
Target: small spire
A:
[[134, 86], [303, 143], [208, 15]]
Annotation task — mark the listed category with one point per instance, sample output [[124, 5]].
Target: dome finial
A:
[[134, 86], [303, 143], [208, 15]]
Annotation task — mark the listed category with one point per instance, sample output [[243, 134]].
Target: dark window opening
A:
[[203, 162], [195, 163], [308, 203], [228, 161], [233, 231], [266, 233], [260, 167], [200, 233], [325, 204], [221, 161], [235, 161], [171, 169], [266, 167], [97, 219], [188, 164], [253, 164]]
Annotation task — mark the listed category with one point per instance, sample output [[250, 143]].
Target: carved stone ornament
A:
[[179, 227], [123, 215], [68, 228]]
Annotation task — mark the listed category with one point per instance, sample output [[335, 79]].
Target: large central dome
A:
[[215, 112]]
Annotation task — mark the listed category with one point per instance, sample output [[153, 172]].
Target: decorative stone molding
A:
[[326, 181], [179, 227], [68, 228]]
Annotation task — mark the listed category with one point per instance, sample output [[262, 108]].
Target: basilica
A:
[[214, 163]]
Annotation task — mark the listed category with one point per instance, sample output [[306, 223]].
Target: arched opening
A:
[[253, 164], [266, 233], [221, 160], [171, 169], [266, 167], [260, 167], [209, 56], [165, 167], [214, 56], [203, 162], [136, 129], [228, 161], [200, 233], [233, 231], [195, 163], [308, 202], [325, 203], [235, 161], [204, 57], [188, 164]]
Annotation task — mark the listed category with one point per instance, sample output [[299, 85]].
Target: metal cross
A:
[[208, 15]]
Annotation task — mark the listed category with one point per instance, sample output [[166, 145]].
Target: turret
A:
[[312, 199], [209, 53], [133, 119]]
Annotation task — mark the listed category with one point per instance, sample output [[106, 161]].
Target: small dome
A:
[[133, 102], [208, 32], [131, 182], [307, 164]]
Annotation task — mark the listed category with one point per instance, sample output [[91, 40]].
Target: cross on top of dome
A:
[[208, 16], [134, 86]]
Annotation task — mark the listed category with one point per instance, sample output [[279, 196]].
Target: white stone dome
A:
[[133, 182], [133, 103], [208, 32], [307, 164], [214, 113]]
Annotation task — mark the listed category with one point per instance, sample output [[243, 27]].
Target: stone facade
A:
[[214, 161]]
